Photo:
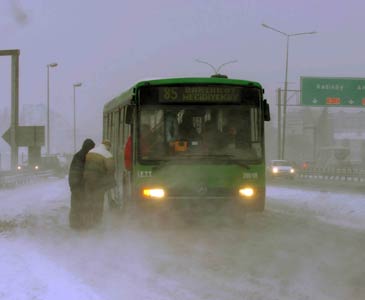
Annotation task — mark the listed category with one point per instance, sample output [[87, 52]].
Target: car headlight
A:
[[247, 192], [292, 170], [275, 170], [156, 193]]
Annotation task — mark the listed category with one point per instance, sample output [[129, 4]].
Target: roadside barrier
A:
[[14, 179], [339, 174]]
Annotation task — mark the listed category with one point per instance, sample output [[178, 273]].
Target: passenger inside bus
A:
[[212, 138], [172, 127], [226, 133], [187, 131], [181, 137], [150, 142]]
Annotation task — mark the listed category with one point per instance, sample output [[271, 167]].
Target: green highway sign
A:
[[332, 91]]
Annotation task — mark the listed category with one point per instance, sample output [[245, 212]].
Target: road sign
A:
[[332, 91], [26, 136], [6, 136], [30, 136]]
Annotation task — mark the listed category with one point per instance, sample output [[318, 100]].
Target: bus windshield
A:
[[219, 132]]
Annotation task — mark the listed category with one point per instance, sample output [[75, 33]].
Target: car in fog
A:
[[281, 168], [57, 165], [26, 168]]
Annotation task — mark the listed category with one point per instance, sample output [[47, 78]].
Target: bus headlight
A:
[[19, 168], [36, 167], [275, 170], [247, 192], [153, 193]]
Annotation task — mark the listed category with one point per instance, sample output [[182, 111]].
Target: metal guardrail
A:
[[339, 174], [10, 179], [13, 179]]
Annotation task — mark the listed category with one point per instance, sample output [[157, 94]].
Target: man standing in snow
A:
[[99, 177], [77, 185]]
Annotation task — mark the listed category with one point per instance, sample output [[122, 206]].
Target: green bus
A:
[[189, 143]]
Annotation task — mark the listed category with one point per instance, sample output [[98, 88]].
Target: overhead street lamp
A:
[[51, 65], [75, 86], [286, 77]]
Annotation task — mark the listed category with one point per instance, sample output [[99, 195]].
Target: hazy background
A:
[[108, 45]]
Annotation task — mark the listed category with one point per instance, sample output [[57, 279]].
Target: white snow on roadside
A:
[[342, 209], [26, 274], [33, 199]]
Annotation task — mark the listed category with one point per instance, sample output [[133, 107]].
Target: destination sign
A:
[[200, 94]]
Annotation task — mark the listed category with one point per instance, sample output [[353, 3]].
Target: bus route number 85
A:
[[169, 94]]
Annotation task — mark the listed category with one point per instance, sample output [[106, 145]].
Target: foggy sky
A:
[[109, 46]]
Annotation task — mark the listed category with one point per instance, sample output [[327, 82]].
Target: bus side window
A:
[[128, 114]]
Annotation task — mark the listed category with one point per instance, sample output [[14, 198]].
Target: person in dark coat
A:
[[77, 185]]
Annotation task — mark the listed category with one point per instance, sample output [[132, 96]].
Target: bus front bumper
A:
[[202, 203]]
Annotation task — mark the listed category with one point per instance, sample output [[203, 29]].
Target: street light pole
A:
[[285, 96], [286, 78], [75, 86], [52, 65]]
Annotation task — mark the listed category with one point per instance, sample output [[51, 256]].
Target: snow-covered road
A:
[[306, 245]]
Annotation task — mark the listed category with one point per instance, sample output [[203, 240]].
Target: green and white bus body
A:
[[194, 142]]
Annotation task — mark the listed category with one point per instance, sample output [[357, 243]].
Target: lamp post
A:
[[52, 65], [286, 77], [75, 86]]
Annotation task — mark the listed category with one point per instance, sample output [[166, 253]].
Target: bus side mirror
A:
[[129, 114], [266, 111]]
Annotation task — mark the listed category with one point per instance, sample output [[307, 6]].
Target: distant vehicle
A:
[[20, 168], [55, 163], [27, 168], [281, 168]]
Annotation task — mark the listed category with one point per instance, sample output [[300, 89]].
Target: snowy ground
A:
[[307, 245]]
